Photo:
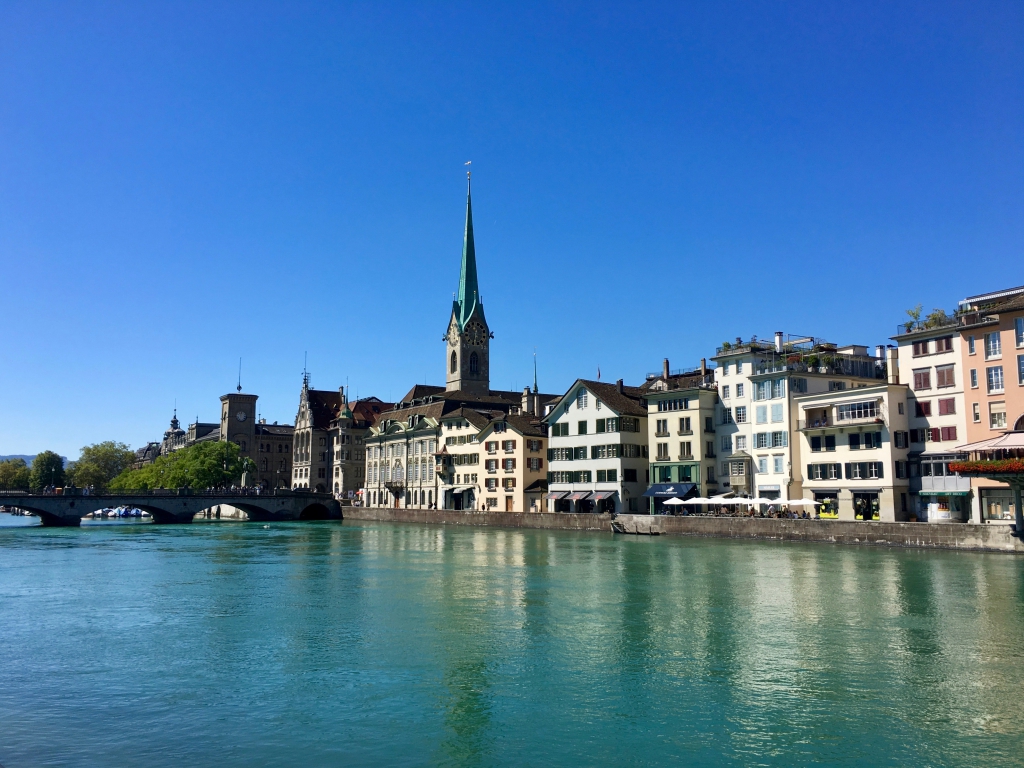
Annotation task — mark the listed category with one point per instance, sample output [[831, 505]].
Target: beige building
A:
[[852, 447], [514, 465], [681, 408]]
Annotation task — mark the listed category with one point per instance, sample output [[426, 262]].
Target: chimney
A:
[[880, 352], [703, 367], [892, 365], [664, 369], [618, 386], [778, 342]]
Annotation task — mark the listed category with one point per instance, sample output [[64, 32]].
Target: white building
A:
[[597, 449], [757, 384]]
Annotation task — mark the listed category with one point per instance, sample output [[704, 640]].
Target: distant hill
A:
[[28, 459]]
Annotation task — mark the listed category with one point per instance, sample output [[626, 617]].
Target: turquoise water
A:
[[330, 644]]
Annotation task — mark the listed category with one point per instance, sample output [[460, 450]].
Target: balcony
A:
[[684, 432], [804, 424], [686, 457], [940, 484], [952, 322], [663, 458], [662, 433]]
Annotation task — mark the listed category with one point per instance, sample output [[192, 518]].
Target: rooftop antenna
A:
[[239, 374], [305, 373], [535, 370]]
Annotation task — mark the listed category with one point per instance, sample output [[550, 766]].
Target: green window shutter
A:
[[849, 471]]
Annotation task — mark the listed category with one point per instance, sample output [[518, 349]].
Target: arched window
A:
[[455, 363], [474, 364]]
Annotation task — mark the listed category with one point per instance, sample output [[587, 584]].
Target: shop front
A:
[[866, 505], [997, 505], [829, 500], [659, 493], [557, 501], [604, 501], [581, 501]]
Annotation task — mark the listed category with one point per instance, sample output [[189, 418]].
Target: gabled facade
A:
[[514, 477], [597, 449], [311, 449]]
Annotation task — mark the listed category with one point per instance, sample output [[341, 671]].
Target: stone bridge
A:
[[178, 506]]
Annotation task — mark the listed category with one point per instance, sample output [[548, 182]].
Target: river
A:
[[324, 644]]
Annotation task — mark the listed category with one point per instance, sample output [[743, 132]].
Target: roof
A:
[[369, 409], [324, 405], [690, 380], [1011, 439], [626, 402], [275, 429], [420, 391]]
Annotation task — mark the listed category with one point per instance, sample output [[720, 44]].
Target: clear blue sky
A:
[[184, 184]]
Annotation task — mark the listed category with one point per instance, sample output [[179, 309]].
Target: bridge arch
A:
[[315, 511]]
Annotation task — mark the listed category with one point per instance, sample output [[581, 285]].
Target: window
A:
[[685, 449], [739, 390], [684, 425], [474, 363], [993, 346], [454, 363], [709, 425], [778, 388], [901, 472], [798, 385], [923, 378], [900, 439], [661, 428], [741, 442], [762, 465], [855, 442], [1020, 369], [823, 471], [560, 430], [776, 413], [741, 414], [970, 345], [727, 415], [945, 344], [920, 348], [864, 470], [899, 408], [739, 367], [726, 442], [1018, 331], [581, 428], [709, 448], [850, 411], [974, 378], [662, 451], [947, 406], [976, 412], [836, 386], [711, 474], [725, 369], [579, 453], [944, 376], [581, 399], [994, 378], [997, 415], [948, 433], [815, 444], [600, 425], [629, 475], [762, 390], [725, 392], [761, 414]]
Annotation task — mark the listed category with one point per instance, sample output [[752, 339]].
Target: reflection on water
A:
[[366, 644]]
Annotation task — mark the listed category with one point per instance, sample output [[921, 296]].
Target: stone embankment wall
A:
[[553, 520], [985, 538]]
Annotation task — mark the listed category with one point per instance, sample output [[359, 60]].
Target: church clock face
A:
[[475, 334], [240, 415]]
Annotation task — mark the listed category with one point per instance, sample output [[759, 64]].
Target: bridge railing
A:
[[165, 492]]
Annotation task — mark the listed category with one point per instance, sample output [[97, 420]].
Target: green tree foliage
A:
[[914, 315], [100, 463], [14, 475], [936, 318], [47, 469], [200, 466]]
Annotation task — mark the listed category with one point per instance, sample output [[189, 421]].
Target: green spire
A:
[[469, 294]]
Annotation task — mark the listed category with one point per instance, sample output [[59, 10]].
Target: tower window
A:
[[474, 364], [455, 363]]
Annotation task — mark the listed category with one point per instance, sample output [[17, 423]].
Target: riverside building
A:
[[853, 444], [681, 409], [597, 449], [756, 420]]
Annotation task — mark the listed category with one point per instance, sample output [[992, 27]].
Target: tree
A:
[[100, 463], [47, 469], [915, 315], [14, 475], [936, 318], [200, 466]]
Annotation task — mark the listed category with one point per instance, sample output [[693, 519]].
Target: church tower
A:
[[468, 350]]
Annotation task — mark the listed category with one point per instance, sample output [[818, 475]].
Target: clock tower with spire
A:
[[468, 340]]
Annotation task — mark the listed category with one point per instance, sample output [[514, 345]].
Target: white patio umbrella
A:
[[698, 500], [760, 500], [801, 503], [673, 502]]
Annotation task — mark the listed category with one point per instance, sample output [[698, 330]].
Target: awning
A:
[[578, 496], [556, 495], [461, 488], [943, 493], [1006, 440], [602, 495], [669, 490]]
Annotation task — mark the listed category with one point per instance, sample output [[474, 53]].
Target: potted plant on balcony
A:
[[812, 361], [726, 345]]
